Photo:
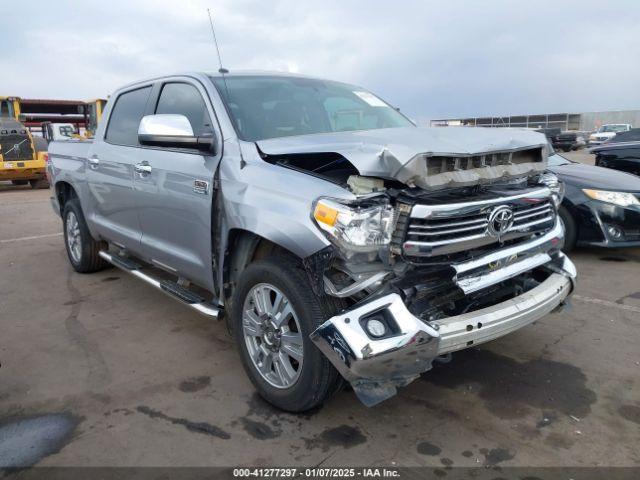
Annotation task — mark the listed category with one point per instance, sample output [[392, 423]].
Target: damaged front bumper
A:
[[377, 367]]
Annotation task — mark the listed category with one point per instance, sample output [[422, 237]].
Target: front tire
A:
[[274, 310], [570, 229], [82, 248]]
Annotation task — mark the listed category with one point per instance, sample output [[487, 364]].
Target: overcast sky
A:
[[433, 59]]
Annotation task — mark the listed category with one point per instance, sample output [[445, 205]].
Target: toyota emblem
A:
[[500, 221]]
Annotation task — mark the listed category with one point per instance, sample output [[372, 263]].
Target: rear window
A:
[[125, 117]]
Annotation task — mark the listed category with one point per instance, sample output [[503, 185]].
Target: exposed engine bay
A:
[[419, 262]]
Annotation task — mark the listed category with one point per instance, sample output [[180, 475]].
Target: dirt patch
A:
[[630, 412], [343, 436], [426, 448], [508, 386], [194, 384], [259, 430], [496, 455], [197, 427], [447, 462]]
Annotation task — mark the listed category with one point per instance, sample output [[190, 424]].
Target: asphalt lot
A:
[[115, 373]]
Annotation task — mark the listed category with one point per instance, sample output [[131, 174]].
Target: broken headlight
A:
[[357, 227]]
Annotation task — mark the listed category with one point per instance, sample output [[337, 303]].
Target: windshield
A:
[[612, 128], [263, 107]]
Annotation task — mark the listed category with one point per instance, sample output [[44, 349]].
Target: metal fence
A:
[[565, 121]]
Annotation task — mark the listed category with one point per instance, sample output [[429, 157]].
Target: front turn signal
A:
[[325, 214]]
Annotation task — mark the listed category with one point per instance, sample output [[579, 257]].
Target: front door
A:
[[174, 191]]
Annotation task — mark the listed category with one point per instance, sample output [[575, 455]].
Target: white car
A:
[[605, 132]]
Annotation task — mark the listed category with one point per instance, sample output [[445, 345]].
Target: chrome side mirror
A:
[[172, 131]]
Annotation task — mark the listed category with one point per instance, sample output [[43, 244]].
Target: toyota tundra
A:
[[338, 240]]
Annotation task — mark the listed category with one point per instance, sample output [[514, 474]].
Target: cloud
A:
[[432, 59]]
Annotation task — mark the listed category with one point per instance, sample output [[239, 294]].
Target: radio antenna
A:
[[221, 70]]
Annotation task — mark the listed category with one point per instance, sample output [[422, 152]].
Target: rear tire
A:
[[38, 184], [570, 229], [82, 248], [307, 383]]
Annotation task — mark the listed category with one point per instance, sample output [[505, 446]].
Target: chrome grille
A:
[[454, 228]]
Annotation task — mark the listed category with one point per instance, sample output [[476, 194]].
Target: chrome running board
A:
[[172, 289]]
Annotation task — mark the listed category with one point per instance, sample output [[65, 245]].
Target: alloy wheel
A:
[[272, 333], [74, 242]]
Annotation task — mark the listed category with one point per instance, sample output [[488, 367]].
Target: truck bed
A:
[[70, 148]]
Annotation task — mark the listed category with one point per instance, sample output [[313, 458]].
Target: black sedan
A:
[[622, 152], [601, 207]]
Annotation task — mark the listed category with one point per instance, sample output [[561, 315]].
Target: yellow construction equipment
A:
[[22, 156], [24, 123]]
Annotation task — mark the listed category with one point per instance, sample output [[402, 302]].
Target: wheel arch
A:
[[64, 191], [241, 248]]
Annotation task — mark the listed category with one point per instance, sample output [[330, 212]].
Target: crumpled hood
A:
[[398, 153]]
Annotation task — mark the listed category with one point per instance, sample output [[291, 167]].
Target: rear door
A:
[[113, 208], [174, 198]]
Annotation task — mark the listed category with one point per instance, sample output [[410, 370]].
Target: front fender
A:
[[274, 202]]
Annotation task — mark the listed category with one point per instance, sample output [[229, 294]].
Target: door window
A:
[[184, 99], [125, 117]]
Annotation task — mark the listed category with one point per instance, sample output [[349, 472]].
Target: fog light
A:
[[614, 232], [376, 328]]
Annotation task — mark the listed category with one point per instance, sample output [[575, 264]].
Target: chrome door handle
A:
[[142, 168], [94, 162]]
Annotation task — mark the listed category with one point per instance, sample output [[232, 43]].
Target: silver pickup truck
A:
[[338, 240]]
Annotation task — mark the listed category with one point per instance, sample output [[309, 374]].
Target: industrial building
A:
[[587, 121]]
